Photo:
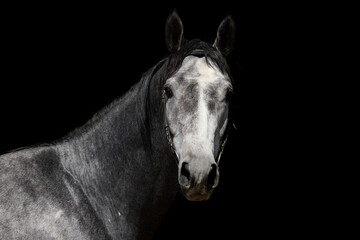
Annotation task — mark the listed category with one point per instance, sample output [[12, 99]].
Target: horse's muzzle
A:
[[198, 178]]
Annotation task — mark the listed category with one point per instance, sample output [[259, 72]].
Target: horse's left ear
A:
[[225, 37]]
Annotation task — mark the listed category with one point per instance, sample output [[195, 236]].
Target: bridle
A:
[[198, 53]]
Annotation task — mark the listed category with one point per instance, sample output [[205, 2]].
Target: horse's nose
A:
[[196, 175], [212, 180], [184, 176]]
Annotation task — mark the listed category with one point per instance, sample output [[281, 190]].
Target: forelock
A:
[[175, 60]]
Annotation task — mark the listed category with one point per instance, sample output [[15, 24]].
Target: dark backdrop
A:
[[62, 63]]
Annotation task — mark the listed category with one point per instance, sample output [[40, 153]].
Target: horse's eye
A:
[[168, 92]]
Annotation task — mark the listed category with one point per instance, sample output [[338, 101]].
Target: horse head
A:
[[196, 97]]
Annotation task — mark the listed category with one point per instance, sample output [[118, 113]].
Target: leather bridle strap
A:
[[167, 131]]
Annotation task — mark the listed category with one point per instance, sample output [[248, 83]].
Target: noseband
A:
[[197, 53]]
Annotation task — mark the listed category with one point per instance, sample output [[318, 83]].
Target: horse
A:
[[116, 176]]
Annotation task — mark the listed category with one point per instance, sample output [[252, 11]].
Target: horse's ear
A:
[[225, 37], [173, 32]]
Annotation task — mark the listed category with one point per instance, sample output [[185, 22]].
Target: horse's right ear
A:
[[173, 32]]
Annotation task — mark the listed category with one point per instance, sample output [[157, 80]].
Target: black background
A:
[[62, 63]]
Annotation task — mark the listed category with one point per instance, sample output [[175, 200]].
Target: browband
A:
[[197, 53]]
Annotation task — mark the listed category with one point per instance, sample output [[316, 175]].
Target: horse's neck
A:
[[125, 181]]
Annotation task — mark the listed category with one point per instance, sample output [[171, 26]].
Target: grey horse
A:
[[116, 176]]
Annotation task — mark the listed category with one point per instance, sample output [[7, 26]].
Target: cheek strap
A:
[[167, 131]]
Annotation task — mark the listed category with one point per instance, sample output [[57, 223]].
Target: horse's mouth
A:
[[197, 193]]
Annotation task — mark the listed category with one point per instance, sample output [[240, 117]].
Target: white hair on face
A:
[[196, 128]]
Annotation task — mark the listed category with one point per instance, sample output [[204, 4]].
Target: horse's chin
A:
[[196, 195]]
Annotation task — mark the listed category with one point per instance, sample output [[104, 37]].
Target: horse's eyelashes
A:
[[168, 92]]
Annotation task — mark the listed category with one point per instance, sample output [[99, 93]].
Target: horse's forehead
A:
[[198, 68]]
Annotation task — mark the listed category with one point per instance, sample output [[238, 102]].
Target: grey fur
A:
[[86, 186]]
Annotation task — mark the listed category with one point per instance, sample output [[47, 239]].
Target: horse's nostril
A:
[[211, 183], [185, 174]]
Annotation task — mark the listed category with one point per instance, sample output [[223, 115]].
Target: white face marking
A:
[[197, 113]]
